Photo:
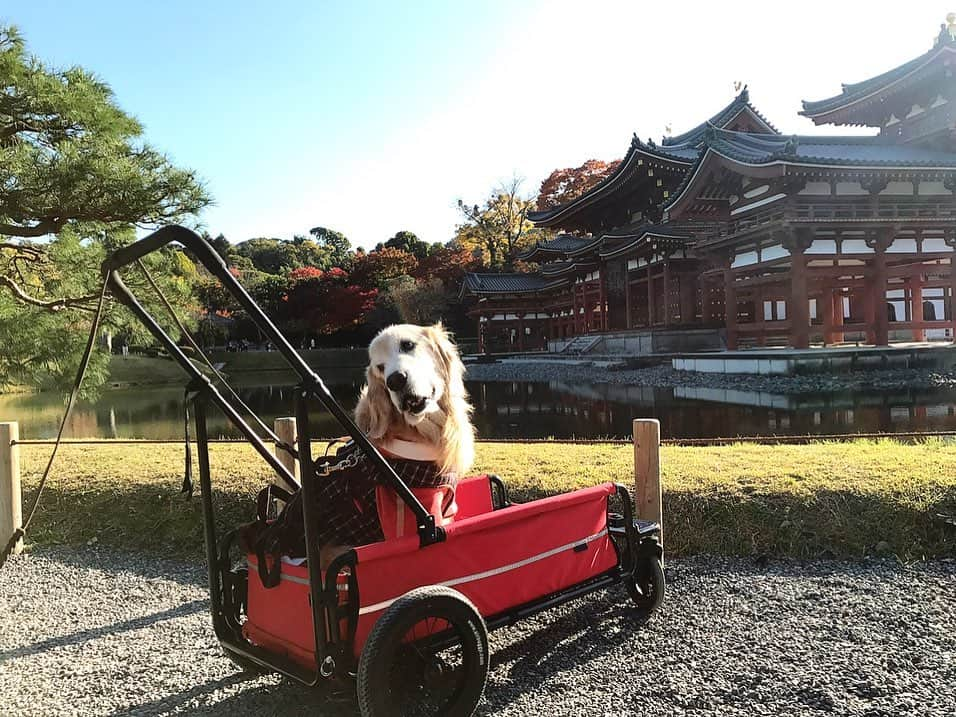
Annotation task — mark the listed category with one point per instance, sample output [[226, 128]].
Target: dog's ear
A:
[[450, 362], [373, 414]]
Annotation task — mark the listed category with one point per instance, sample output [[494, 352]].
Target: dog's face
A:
[[407, 360]]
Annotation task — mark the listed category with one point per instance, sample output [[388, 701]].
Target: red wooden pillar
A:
[[667, 293], [825, 305], [574, 309], [730, 308], [836, 301], [799, 304], [916, 305], [759, 317], [651, 309], [881, 331], [520, 332]]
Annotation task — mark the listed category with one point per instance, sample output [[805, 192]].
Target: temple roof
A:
[[837, 151], [561, 244], [564, 268], [820, 111], [678, 153], [628, 238], [505, 283], [726, 116], [778, 155], [681, 157]]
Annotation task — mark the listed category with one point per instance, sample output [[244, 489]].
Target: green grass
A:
[[824, 499], [143, 370]]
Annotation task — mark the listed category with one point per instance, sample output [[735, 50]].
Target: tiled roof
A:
[[838, 151], [488, 283], [561, 268], [693, 137], [561, 244], [632, 236], [682, 150], [860, 90]]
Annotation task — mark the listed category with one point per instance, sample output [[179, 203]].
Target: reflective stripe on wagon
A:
[[494, 571]]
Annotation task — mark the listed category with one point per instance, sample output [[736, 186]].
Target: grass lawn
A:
[[136, 370], [824, 499]]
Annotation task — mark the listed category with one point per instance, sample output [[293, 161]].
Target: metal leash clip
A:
[[350, 461]]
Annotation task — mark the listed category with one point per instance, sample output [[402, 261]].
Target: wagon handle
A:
[[311, 381]]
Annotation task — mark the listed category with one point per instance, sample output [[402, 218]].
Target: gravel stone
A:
[[99, 632]]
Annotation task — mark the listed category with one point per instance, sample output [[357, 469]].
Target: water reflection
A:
[[524, 410]]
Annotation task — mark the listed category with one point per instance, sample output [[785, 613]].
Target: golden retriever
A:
[[415, 392]]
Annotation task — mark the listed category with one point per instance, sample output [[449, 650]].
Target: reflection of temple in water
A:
[[566, 410]]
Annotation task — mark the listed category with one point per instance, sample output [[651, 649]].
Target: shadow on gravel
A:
[[76, 638], [285, 698], [595, 627]]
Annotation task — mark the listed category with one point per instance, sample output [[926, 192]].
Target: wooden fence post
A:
[[285, 430], [11, 513], [647, 471]]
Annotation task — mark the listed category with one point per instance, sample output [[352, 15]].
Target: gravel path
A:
[[95, 632], [666, 377]]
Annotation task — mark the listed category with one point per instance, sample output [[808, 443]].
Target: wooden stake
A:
[[285, 430], [11, 513], [647, 471]]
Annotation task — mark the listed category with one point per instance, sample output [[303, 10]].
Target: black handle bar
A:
[[311, 381]]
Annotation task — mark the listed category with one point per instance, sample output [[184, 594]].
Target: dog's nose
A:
[[396, 380]]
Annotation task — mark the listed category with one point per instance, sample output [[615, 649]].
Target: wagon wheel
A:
[[426, 655], [646, 586]]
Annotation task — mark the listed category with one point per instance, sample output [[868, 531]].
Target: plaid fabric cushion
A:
[[346, 506]]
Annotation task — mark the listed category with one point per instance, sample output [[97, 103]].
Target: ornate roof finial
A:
[[947, 31]]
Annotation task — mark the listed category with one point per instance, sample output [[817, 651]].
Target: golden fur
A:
[[447, 426]]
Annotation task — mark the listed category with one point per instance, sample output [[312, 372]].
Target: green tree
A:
[[76, 176], [419, 302], [410, 243], [499, 228], [337, 246]]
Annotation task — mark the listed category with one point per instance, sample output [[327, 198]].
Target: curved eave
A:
[[822, 111], [538, 251], [718, 120], [646, 239], [574, 268], [638, 150], [554, 284], [779, 165], [587, 248]]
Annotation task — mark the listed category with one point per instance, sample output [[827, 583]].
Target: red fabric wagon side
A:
[[499, 560]]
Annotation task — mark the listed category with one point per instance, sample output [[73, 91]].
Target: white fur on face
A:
[[404, 350]]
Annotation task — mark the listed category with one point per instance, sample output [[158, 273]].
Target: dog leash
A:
[[20, 532]]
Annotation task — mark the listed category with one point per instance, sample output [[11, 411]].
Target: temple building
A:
[[733, 235]]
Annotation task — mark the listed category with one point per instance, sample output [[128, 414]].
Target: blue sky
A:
[[371, 117]]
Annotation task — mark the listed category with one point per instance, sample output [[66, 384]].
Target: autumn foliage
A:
[[563, 185]]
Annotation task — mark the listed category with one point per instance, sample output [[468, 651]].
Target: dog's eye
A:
[[381, 367], [406, 346]]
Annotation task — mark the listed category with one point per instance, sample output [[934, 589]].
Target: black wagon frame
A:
[[635, 541]]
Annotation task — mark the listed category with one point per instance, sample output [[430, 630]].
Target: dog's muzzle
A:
[[414, 404]]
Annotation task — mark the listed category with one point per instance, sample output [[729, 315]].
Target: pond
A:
[[522, 410]]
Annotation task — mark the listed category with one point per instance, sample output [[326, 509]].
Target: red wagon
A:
[[406, 618]]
